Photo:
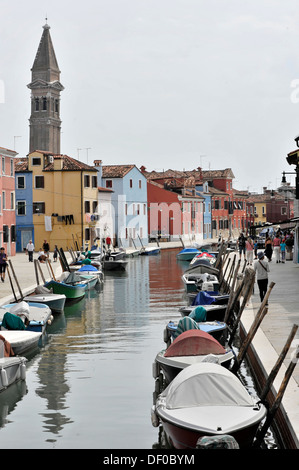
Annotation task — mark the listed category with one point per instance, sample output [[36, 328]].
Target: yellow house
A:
[[65, 197], [260, 206]]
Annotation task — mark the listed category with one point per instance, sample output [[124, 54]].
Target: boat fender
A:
[[155, 370], [23, 371], [50, 320], [154, 417], [4, 378], [166, 335]]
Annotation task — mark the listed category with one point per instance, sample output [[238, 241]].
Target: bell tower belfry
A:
[[45, 86]]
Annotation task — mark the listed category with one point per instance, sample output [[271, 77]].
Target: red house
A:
[[7, 201]]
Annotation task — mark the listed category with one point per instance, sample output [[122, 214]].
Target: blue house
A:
[[129, 203], [203, 190], [24, 204]]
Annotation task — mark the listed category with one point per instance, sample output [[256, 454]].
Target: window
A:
[[3, 165], [56, 106], [36, 102], [126, 209], [13, 233], [144, 209], [87, 207], [5, 233], [108, 183], [139, 184], [39, 208], [39, 182], [11, 167], [283, 210], [87, 234], [94, 206], [12, 200], [44, 104], [20, 182], [36, 161], [21, 207], [131, 183], [3, 199], [94, 180], [86, 181]]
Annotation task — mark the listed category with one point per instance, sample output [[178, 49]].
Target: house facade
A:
[[24, 204], [64, 199], [7, 201], [129, 203]]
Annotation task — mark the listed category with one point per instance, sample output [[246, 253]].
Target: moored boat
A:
[[12, 369], [207, 399], [71, 292], [21, 341], [150, 251], [191, 347], [187, 254], [217, 329], [32, 316], [42, 295]]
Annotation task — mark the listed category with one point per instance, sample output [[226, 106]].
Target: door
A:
[[26, 235]]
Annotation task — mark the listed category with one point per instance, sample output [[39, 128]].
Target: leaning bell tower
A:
[[45, 86]]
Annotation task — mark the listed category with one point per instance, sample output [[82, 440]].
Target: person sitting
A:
[[41, 256]]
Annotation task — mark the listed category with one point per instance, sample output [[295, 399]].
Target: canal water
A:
[[90, 385]]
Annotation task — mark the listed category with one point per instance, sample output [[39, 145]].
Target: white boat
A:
[[42, 295], [191, 347], [37, 316], [91, 271], [150, 251], [207, 399], [21, 341], [12, 369]]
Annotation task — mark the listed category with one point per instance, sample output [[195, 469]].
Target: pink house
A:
[[7, 201]]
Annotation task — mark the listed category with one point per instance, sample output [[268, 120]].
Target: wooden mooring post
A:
[[16, 279], [252, 331], [278, 399]]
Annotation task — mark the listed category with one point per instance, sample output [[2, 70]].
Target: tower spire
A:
[[45, 86]]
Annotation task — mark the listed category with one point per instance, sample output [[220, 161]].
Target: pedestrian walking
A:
[[276, 248], [249, 250], [55, 253], [255, 248], [283, 250], [30, 250], [3, 263], [268, 248], [108, 242], [241, 245], [261, 267]]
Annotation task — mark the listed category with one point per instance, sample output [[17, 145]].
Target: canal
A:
[[90, 385]]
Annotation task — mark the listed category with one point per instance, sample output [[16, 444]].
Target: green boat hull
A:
[[71, 292]]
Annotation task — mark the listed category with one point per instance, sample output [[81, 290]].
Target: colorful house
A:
[[64, 199], [7, 201], [24, 204], [129, 202]]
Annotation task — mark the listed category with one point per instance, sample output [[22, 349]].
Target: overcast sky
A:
[[162, 83]]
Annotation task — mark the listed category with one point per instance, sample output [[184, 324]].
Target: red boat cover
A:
[[194, 343]]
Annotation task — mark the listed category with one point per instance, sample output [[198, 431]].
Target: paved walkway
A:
[[25, 274]]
